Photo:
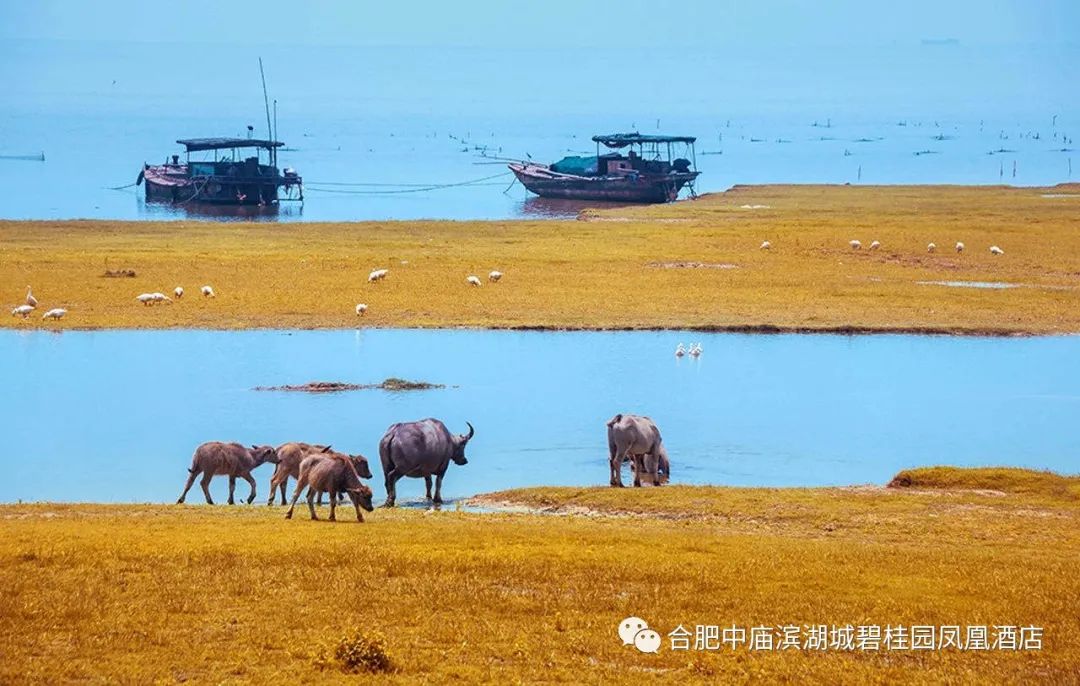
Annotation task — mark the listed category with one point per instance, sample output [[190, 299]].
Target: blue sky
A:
[[554, 23]]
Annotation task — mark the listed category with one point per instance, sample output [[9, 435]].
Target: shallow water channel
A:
[[114, 416]]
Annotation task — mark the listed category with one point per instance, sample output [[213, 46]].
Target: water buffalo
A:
[[231, 459], [290, 455], [636, 438], [325, 473], [420, 449]]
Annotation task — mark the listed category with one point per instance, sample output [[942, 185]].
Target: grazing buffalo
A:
[[324, 473], [290, 455], [230, 459], [420, 449], [636, 438]]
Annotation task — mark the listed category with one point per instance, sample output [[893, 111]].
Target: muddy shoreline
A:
[[762, 329]]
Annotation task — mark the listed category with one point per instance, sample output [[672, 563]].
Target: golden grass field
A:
[[619, 268], [164, 594]]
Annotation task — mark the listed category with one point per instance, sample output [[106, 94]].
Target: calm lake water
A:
[[368, 128], [114, 416]]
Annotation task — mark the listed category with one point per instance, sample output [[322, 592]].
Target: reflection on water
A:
[[115, 415], [194, 210], [558, 208]]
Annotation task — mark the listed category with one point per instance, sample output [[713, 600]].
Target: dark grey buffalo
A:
[[635, 438], [420, 449], [331, 473], [226, 459]]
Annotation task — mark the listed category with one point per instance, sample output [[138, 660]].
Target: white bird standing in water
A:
[[30, 299], [361, 308], [208, 292], [55, 313], [680, 350], [695, 350]]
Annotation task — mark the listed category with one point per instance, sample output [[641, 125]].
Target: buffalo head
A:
[[361, 464], [361, 496], [459, 445], [264, 453]]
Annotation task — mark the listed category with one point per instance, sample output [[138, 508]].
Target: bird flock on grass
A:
[[147, 299], [30, 304], [378, 275], [856, 244]]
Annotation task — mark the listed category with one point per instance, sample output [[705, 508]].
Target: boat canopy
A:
[[621, 140], [197, 144]]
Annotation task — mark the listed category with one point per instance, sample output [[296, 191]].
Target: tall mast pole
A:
[[266, 103]]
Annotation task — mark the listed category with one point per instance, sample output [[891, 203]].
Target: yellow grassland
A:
[[154, 594], [689, 264]]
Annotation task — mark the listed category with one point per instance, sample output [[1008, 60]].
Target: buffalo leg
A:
[[275, 481], [427, 487], [251, 496], [616, 469], [333, 504], [205, 483], [638, 466], [438, 487], [356, 506], [187, 487], [284, 483], [232, 487], [616, 466], [295, 497], [656, 474], [391, 487], [311, 503]]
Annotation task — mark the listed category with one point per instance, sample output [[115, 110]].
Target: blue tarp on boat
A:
[[581, 166]]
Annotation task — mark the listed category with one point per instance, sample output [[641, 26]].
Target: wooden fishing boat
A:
[[224, 176], [644, 174]]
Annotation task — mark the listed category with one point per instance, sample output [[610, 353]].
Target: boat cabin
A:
[[645, 154]]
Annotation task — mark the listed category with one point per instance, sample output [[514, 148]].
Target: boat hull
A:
[[171, 184], [633, 188]]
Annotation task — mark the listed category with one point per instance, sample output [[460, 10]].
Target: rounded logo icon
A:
[[647, 641], [629, 627]]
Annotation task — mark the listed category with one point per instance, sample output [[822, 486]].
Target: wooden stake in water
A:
[[860, 173], [1014, 169]]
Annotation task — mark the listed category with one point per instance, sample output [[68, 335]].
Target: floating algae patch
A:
[[391, 384]]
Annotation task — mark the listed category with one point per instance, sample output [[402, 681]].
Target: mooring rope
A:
[[352, 188], [397, 188]]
